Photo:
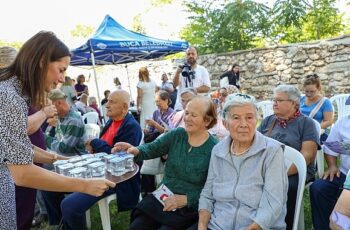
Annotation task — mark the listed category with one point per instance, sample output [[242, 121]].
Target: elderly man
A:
[[196, 76], [178, 119], [68, 139], [122, 127]]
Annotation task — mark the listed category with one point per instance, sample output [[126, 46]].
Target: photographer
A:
[[191, 75]]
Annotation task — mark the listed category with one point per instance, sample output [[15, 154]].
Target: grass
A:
[[121, 220]]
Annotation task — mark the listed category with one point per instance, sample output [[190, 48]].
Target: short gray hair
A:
[[292, 92], [238, 100]]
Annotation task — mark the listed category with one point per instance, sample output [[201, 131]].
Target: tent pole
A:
[[95, 76], [127, 75]]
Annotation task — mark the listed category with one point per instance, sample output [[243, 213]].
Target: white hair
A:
[[292, 92], [238, 100]]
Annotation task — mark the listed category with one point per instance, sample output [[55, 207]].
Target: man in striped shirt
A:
[[70, 129]]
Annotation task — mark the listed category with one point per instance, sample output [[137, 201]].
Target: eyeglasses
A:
[[278, 101]]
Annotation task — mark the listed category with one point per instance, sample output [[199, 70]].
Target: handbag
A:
[[153, 167]]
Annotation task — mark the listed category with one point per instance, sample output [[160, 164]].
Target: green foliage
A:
[[82, 31], [16, 45], [227, 25], [220, 27], [158, 3], [137, 25]]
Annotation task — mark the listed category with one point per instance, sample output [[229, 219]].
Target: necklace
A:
[[240, 153]]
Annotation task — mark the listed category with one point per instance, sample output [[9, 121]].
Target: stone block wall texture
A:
[[261, 69]]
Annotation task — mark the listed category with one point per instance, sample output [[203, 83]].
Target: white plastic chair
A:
[[266, 108], [92, 131], [293, 156], [103, 205], [340, 100], [91, 118]]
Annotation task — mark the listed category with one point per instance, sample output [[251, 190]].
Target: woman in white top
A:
[[146, 90]]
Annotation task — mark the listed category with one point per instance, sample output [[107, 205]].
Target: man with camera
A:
[[191, 75]]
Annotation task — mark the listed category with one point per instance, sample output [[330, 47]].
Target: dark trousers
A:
[[149, 215], [52, 202], [291, 200], [148, 183], [74, 207], [25, 204], [323, 196]]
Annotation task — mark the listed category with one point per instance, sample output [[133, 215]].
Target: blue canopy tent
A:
[[113, 44]]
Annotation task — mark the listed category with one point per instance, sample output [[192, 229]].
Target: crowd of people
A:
[[224, 167]]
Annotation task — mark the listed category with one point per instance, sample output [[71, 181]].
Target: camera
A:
[[187, 71]]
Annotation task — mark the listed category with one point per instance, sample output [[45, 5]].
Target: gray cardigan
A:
[[253, 189]]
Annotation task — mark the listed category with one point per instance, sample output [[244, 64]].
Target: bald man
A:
[[121, 127]]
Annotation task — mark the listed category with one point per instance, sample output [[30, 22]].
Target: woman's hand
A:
[[96, 187], [331, 172], [49, 111], [253, 226], [174, 202], [53, 121], [151, 122], [123, 146]]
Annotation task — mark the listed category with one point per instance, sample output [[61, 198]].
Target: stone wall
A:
[[261, 69]]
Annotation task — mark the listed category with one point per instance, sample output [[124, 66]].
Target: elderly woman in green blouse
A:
[[185, 172]]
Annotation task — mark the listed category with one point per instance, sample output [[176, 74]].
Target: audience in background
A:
[[314, 105], [178, 119], [80, 87], [69, 91], [146, 90]]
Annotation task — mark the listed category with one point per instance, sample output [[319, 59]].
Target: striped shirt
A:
[[69, 138]]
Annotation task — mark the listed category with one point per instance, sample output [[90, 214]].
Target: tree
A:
[[222, 27], [137, 25], [82, 31], [299, 21]]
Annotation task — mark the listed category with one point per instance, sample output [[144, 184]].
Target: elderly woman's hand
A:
[[123, 146], [174, 202], [151, 122], [253, 226]]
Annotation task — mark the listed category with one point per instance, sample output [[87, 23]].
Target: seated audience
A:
[[314, 105], [185, 172], [106, 93], [69, 91], [289, 126], [82, 104], [122, 127], [156, 126], [93, 104], [161, 117], [80, 87], [324, 192], [69, 135], [219, 130], [340, 217], [178, 119], [247, 163]]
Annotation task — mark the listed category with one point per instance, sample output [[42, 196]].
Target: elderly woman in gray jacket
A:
[[247, 183]]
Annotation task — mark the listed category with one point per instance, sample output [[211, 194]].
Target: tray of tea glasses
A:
[[116, 167]]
